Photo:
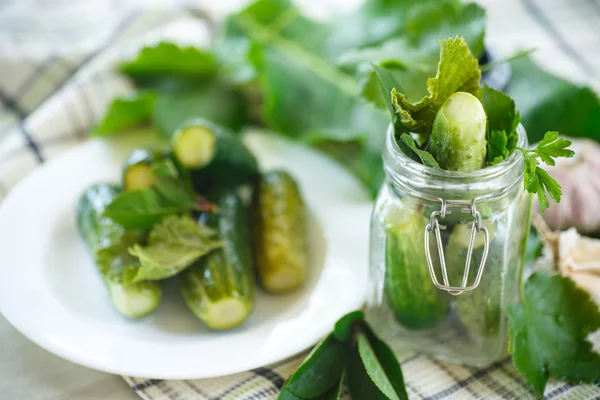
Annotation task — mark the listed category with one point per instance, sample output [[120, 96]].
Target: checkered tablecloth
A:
[[56, 81]]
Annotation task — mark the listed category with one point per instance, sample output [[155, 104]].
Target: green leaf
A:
[[499, 108], [497, 147], [140, 209], [173, 245], [305, 95], [126, 112], [458, 71], [212, 99], [430, 21], [169, 59], [359, 383], [320, 371], [336, 390], [333, 393], [389, 362], [374, 368], [387, 77], [550, 103], [425, 157], [502, 124], [418, 24], [552, 147], [538, 180], [115, 263], [343, 327], [548, 332], [171, 186]]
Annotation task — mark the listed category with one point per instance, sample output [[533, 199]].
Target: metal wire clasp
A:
[[434, 225]]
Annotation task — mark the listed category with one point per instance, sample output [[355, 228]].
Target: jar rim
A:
[[486, 172], [407, 172]]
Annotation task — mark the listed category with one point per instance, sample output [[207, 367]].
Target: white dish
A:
[[50, 290]]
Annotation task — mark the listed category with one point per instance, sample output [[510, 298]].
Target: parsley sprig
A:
[[537, 180]]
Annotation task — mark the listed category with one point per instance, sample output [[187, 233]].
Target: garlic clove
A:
[[588, 282], [579, 177], [578, 253]]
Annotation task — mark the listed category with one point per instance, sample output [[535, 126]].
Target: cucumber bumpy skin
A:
[[415, 300], [280, 233], [458, 139], [132, 300], [219, 288]]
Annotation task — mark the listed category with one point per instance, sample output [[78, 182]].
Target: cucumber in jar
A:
[[480, 309], [219, 288], [415, 300]]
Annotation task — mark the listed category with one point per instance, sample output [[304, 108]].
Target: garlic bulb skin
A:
[[579, 178]]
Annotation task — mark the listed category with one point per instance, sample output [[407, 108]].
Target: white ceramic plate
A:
[[50, 291]]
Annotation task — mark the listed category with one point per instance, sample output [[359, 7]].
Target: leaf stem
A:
[[204, 205], [494, 64], [522, 268]]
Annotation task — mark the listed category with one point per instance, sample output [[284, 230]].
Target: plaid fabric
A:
[[51, 93]]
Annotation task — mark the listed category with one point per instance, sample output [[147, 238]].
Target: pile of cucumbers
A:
[[261, 238]]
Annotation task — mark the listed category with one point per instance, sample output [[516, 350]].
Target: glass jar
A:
[[446, 254]]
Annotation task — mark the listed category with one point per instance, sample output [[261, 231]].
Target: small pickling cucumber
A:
[[137, 171], [415, 300], [280, 233], [219, 288], [457, 140], [99, 232], [215, 157], [480, 310]]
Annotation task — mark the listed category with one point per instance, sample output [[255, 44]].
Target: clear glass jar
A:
[[463, 320]]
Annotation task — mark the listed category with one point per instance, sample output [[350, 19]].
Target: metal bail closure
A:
[[435, 226]]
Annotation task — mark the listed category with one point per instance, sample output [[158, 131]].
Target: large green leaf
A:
[[168, 59], [549, 332], [418, 28], [305, 95], [548, 103], [417, 24]]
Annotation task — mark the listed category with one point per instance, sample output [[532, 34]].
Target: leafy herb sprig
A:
[[537, 180]]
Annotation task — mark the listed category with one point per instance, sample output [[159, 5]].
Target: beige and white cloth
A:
[[56, 81]]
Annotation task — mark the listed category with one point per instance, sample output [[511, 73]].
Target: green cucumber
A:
[[480, 309], [137, 171], [457, 140], [280, 233], [219, 288], [214, 156], [99, 232], [415, 300]]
